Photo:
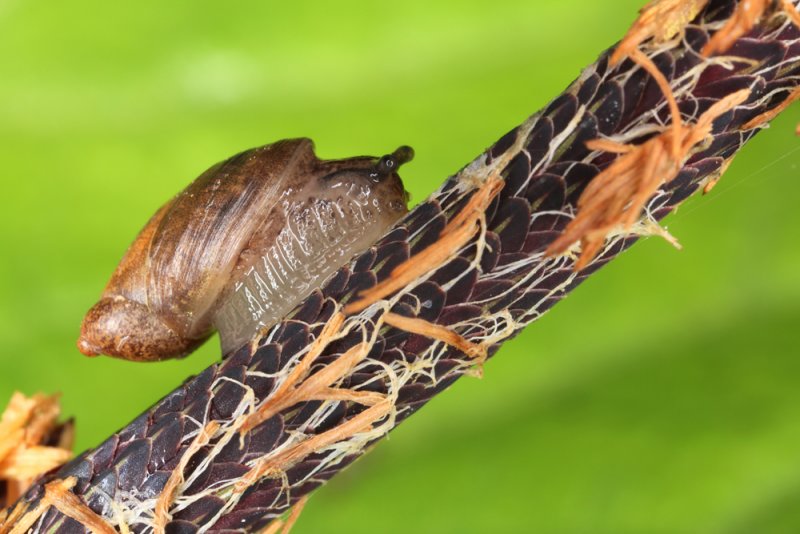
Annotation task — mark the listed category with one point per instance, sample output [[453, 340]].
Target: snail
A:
[[240, 247]]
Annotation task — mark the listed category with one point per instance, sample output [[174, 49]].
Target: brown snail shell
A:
[[240, 247]]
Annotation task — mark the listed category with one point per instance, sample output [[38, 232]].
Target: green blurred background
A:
[[662, 396]]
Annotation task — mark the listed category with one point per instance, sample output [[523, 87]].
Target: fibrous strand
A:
[[647, 125]]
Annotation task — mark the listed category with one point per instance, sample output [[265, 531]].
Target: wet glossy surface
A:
[[240, 247]]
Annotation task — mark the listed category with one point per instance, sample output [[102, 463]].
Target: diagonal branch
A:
[[235, 447]]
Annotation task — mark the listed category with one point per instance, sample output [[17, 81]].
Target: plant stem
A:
[[464, 272]]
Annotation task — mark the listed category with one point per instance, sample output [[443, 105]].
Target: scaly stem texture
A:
[[332, 380]]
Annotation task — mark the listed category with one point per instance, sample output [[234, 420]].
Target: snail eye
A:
[[387, 164]]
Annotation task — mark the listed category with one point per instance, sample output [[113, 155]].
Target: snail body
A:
[[240, 247]]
